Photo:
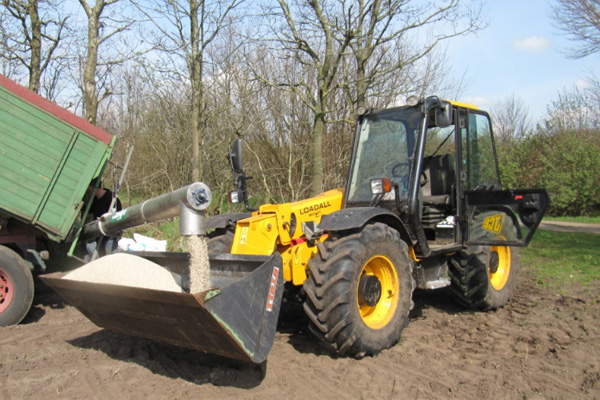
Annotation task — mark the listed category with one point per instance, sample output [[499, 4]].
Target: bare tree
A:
[[593, 90], [323, 36], [106, 48], [10, 65], [309, 36], [33, 43], [511, 119], [382, 44], [572, 111], [580, 20], [186, 28]]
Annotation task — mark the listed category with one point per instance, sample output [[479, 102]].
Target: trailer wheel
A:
[[359, 291], [220, 241], [16, 287], [484, 277]]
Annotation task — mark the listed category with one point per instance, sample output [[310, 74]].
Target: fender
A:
[[357, 217], [225, 220]]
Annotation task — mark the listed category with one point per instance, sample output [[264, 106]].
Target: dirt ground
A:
[[563, 226], [542, 345]]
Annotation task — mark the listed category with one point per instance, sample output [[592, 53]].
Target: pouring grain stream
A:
[[199, 264]]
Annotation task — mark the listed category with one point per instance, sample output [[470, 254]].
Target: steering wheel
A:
[[397, 169]]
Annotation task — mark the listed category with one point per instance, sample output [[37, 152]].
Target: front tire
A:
[[16, 287], [359, 291], [220, 241]]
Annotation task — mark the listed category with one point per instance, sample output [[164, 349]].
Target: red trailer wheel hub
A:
[[6, 291]]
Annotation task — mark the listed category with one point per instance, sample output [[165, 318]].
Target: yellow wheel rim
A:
[[380, 314], [499, 274]]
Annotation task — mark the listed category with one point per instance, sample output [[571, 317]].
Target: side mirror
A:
[[443, 115], [235, 156], [240, 194]]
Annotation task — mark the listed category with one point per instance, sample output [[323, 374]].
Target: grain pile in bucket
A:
[[199, 264], [126, 270]]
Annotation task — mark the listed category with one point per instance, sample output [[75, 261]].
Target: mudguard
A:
[[357, 217]]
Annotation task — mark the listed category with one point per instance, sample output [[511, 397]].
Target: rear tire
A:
[[16, 287], [359, 291], [484, 277]]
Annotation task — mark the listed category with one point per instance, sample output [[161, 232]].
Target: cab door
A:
[[491, 215], [504, 217]]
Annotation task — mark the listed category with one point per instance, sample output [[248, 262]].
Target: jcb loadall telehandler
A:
[[422, 207]]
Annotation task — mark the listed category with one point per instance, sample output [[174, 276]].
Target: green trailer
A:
[[48, 157]]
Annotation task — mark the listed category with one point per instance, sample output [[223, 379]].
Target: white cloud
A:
[[531, 44], [582, 84]]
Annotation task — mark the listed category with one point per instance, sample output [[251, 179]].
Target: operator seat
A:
[[437, 180]]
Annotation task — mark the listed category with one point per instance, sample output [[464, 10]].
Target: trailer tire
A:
[[16, 287], [359, 291], [220, 241]]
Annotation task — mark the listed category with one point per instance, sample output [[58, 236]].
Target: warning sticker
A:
[[244, 235], [493, 223], [272, 289]]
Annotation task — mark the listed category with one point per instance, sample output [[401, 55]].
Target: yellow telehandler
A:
[[423, 207]]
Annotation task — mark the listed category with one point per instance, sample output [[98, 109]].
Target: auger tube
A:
[[188, 202]]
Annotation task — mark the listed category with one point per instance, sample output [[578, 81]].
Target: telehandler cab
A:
[[422, 207]]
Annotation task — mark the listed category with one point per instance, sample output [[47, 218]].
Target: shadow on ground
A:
[[175, 362]]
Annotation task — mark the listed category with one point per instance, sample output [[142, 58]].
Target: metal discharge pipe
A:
[[188, 203]]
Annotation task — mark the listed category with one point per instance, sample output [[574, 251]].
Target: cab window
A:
[[480, 157]]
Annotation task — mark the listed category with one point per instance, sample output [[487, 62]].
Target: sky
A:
[[521, 53]]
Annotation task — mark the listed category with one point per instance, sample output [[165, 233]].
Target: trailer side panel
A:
[[46, 162]]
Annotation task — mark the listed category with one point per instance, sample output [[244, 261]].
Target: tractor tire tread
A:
[[328, 303]]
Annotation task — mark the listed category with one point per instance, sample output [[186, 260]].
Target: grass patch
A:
[[561, 259]]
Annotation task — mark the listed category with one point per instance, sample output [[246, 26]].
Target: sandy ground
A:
[[542, 345]]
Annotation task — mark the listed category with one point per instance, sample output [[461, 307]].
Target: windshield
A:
[[384, 149]]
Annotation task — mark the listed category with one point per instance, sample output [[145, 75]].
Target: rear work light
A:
[[234, 196]]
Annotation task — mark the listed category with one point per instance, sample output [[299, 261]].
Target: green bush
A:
[[566, 164]]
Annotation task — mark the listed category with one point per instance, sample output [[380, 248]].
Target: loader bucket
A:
[[236, 318]]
